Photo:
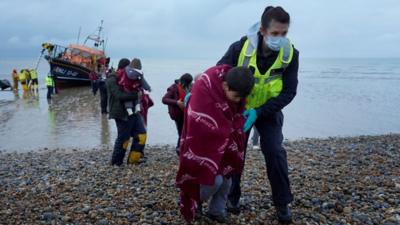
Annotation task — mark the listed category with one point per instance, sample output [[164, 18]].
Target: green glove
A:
[[251, 117]]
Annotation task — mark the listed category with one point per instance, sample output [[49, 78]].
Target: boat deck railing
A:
[[73, 56]]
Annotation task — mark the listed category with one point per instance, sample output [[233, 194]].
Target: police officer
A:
[[50, 85], [274, 62]]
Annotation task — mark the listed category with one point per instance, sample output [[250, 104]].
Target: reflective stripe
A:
[[271, 78], [249, 52]]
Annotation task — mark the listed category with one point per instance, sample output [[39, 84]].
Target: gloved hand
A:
[[186, 99], [251, 117]]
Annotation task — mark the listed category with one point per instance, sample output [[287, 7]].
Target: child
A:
[[213, 140], [174, 98], [131, 79]]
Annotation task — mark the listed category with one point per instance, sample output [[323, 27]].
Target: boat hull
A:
[[66, 73]]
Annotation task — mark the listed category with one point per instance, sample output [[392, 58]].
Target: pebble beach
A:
[[353, 180]]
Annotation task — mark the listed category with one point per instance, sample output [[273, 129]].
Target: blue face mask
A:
[[275, 43]]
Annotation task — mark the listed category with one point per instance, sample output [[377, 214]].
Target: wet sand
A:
[[71, 119], [335, 181]]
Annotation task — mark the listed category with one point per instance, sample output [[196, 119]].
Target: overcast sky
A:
[[199, 29]]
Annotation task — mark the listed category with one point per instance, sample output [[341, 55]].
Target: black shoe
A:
[[284, 214], [199, 212], [219, 218], [233, 208]]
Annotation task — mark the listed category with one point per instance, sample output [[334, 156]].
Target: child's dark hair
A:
[[124, 62], [274, 13], [186, 79], [240, 79]]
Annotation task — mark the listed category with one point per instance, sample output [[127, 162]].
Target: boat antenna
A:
[[96, 38], [100, 28], [105, 45], [79, 35]]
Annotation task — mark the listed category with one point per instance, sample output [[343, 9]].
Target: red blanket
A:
[[212, 141], [130, 85], [145, 103]]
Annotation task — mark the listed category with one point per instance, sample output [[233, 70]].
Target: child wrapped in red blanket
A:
[[213, 140]]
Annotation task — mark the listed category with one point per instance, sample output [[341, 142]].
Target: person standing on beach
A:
[[274, 62], [23, 79], [34, 80], [118, 112], [50, 86], [174, 98], [131, 79], [28, 79], [94, 82], [103, 92], [15, 79]]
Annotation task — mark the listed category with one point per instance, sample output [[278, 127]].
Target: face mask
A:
[[275, 43]]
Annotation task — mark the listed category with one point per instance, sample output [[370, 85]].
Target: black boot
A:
[[199, 211], [219, 218], [284, 214], [233, 208]]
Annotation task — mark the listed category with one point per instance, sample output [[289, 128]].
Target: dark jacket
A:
[[170, 99], [116, 97], [289, 77]]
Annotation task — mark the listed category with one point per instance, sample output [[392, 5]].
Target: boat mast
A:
[[79, 35], [96, 38], [100, 28]]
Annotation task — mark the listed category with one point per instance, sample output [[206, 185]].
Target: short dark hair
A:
[[186, 79], [274, 13], [240, 79], [124, 62]]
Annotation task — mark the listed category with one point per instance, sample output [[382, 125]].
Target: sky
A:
[[199, 29]]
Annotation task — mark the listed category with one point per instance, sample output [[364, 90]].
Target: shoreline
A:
[[337, 180], [172, 145]]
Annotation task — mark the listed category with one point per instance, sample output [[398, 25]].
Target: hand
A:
[[186, 99], [180, 104], [251, 117]]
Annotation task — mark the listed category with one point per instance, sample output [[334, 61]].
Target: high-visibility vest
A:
[[269, 84], [49, 81], [22, 76], [34, 74]]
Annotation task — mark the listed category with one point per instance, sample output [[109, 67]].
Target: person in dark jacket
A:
[[94, 82], [274, 62], [174, 99], [103, 93], [117, 111]]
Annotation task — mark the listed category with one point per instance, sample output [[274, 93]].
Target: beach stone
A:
[[362, 218], [48, 216], [86, 209], [66, 219], [103, 222], [338, 207], [347, 210], [68, 199], [83, 184]]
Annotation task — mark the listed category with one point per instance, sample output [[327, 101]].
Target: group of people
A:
[[250, 85], [28, 78]]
